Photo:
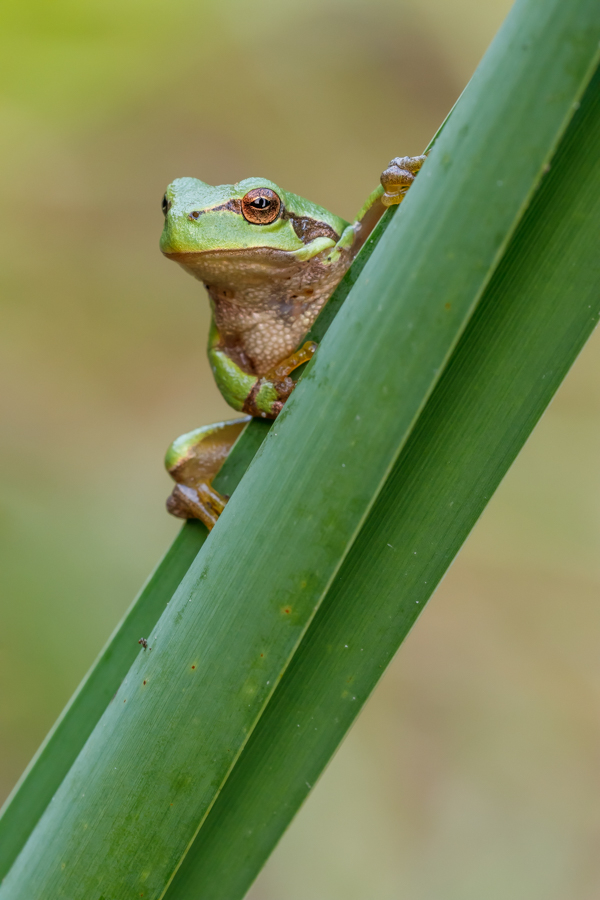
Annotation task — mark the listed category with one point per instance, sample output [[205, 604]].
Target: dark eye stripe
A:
[[231, 205], [308, 229]]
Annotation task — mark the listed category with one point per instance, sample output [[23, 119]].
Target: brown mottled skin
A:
[[264, 307]]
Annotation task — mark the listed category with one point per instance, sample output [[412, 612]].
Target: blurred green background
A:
[[473, 772]]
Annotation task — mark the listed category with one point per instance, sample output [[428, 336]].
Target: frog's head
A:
[[246, 231]]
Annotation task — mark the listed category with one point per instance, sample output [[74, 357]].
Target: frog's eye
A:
[[166, 205], [261, 206]]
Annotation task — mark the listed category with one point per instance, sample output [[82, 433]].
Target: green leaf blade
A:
[[540, 307]]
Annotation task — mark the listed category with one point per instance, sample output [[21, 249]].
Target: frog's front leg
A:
[[272, 389], [192, 461], [258, 395]]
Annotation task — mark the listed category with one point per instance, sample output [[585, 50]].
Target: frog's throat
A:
[[263, 271]]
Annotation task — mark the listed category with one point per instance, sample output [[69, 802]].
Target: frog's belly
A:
[[261, 323], [260, 340]]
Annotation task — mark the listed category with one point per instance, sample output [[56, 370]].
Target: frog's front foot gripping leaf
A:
[[192, 461], [270, 392], [398, 177]]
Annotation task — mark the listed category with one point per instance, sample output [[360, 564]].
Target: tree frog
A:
[[269, 260]]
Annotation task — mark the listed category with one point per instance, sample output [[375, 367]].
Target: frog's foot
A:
[[270, 392], [398, 177], [192, 461], [199, 502]]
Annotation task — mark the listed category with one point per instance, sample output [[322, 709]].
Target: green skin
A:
[[269, 261]]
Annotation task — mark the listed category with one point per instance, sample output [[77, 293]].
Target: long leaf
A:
[[128, 808], [541, 305]]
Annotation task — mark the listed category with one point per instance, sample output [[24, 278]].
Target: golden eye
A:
[[261, 206]]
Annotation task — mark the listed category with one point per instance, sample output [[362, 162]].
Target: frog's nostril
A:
[[166, 205]]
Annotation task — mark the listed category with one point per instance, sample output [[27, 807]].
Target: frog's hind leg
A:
[[192, 461]]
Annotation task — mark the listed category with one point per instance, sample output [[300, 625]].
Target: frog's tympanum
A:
[[269, 261]]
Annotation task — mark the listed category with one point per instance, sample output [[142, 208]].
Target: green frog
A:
[[269, 260]]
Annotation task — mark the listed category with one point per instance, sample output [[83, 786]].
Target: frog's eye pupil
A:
[[261, 206]]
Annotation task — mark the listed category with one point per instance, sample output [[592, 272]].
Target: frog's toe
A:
[[291, 362], [410, 163], [200, 502], [181, 501], [398, 177]]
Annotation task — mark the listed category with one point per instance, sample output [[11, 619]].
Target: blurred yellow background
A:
[[473, 772]]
